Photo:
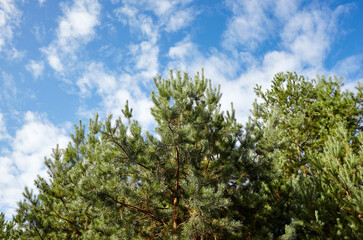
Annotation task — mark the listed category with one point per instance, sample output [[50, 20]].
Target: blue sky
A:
[[61, 61]]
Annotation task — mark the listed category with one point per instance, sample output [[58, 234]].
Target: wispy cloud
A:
[[151, 19], [3, 131], [36, 68], [310, 33], [8, 89], [306, 35], [249, 25], [41, 2], [170, 16], [349, 67], [95, 77], [9, 21], [109, 54]]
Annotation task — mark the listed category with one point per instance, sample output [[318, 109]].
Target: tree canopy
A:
[[294, 171]]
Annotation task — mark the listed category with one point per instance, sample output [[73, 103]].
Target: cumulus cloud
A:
[[77, 23], [75, 28], [24, 160], [36, 68]]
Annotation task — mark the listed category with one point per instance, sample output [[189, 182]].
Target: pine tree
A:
[[6, 227], [293, 172], [329, 205], [124, 183], [298, 117]]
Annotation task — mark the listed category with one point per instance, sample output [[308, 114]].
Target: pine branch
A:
[[36, 229], [176, 198], [70, 222], [122, 148], [146, 212]]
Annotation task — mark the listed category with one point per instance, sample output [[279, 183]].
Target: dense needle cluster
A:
[[294, 171]]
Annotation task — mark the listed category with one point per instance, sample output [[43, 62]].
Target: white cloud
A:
[[144, 62], [306, 36], [24, 161], [125, 11], [9, 20], [96, 77], [78, 22], [138, 101], [349, 67], [14, 54], [36, 68], [75, 28], [8, 88], [171, 16], [54, 60], [249, 24], [39, 32], [285, 9], [148, 19], [41, 2], [183, 49], [3, 132], [145, 56], [139, 22], [147, 27], [307, 31], [310, 32], [179, 20], [114, 90]]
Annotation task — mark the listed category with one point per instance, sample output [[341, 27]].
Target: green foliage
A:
[[6, 227], [293, 172], [312, 137], [334, 195]]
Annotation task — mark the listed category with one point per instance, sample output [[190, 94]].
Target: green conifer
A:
[[293, 172]]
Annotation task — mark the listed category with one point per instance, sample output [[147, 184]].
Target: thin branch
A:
[[36, 229], [176, 198], [70, 222], [146, 212]]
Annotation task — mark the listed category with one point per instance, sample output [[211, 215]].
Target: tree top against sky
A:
[[61, 61]]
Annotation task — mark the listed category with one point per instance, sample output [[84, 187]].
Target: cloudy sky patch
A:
[[61, 61]]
